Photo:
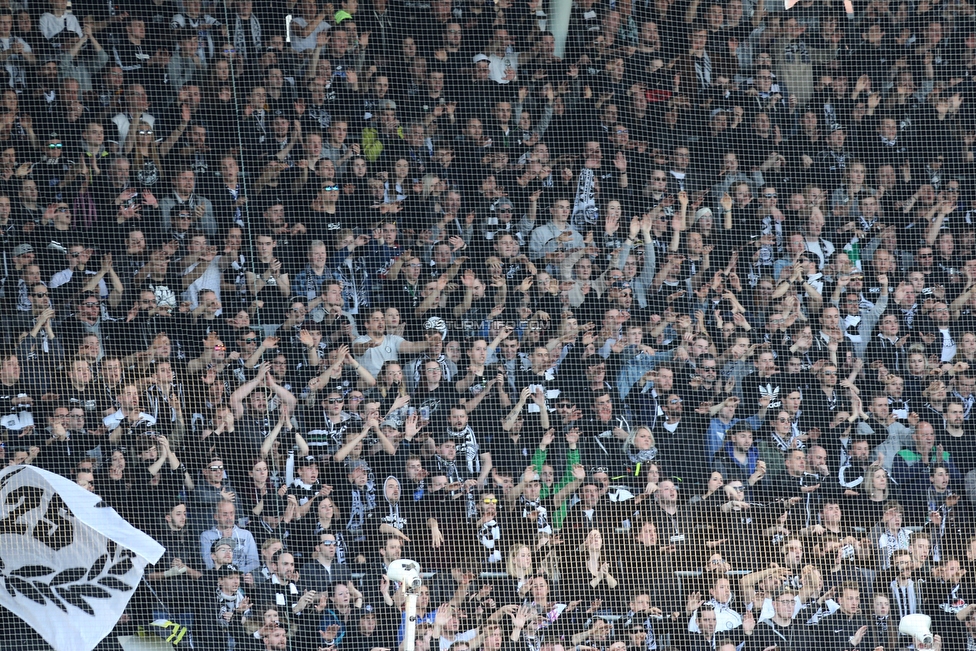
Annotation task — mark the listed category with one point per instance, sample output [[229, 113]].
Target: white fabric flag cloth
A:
[[70, 563]]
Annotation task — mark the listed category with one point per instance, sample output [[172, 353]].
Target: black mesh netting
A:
[[638, 324]]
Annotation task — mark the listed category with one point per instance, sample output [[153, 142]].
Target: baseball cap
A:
[[386, 104], [355, 465], [220, 542], [306, 461], [479, 57], [504, 201], [227, 570], [438, 325], [21, 249]]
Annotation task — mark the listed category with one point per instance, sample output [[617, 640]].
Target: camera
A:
[[406, 572]]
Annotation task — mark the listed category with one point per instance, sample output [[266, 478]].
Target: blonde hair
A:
[[510, 561]]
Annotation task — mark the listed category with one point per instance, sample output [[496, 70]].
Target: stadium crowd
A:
[[665, 341]]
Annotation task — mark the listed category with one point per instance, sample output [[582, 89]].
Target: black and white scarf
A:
[[467, 445], [585, 212], [543, 526], [703, 70], [490, 536], [248, 36]]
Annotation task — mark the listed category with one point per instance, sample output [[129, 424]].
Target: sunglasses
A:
[[490, 500], [336, 401], [327, 543], [331, 188], [56, 145], [220, 348], [770, 195], [215, 468]]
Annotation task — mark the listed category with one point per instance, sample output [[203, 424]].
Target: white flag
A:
[[68, 563]]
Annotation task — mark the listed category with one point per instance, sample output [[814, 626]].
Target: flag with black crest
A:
[[68, 562]]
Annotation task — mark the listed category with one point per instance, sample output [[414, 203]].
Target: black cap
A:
[[227, 570]]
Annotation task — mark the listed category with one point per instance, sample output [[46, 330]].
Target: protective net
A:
[[637, 324]]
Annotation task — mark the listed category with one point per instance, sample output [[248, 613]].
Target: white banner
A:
[[68, 563]]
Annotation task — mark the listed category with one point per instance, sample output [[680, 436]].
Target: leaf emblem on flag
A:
[[71, 587]]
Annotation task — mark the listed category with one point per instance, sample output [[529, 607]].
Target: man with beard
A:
[[687, 463], [604, 432], [471, 461], [390, 551], [853, 471], [530, 516], [761, 383], [957, 438], [324, 570], [179, 568]]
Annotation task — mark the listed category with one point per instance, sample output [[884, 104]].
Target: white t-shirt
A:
[[948, 345], [374, 357], [209, 279], [466, 636]]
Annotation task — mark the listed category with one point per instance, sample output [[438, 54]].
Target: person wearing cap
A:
[[416, 372], [220, 610], [221, 555], [356, 495], [831, 162], [225, 527]]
